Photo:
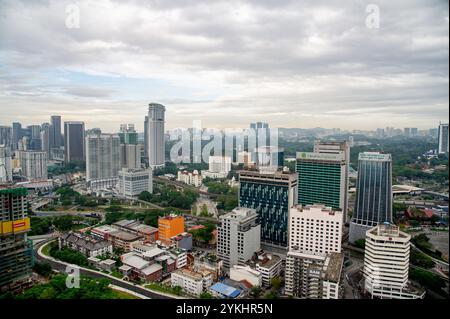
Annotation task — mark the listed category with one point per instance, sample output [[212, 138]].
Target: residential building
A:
[[240, 273], [386, 263], [118, 238], [443, 139], [323, 177], [239, 235], [269, 265], [74, 149], [219, 164], [169, 226], [192, 282], [16, 250], [6, 137], [16, 135], [130, 150], [132, 182], [183, 240], [135, 267], [33, 164], [190, 178], [102, 156], [149, 233], [373, 203], [5, 165], [156, 146], [85, 244], [271, 195]]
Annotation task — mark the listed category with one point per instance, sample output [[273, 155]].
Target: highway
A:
[[61, 267]]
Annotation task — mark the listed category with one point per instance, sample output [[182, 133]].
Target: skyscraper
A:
[[56, 131], [16, 134], [156, 147], [130, 150], [271, 195], [373, 203], [323, 175], [33, 164], [5, 135], [16, 252], [146, 137], [45, 137], [443, 139], [74, 141], [5, 165], [102, 156]]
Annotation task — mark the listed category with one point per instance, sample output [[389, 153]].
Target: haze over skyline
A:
[[228, 63]]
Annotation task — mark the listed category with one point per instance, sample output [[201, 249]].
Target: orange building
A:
[[169, 226]]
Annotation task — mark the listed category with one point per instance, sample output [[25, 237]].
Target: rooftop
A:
[[333, 267], [225, 290]]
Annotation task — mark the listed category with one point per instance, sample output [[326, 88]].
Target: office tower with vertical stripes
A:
[[443, 139], [373, 202], [74, 141], [156, 146], [271, 195]]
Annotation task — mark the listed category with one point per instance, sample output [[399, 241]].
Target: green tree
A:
[[360, 243], [206, 295], [255, 292]]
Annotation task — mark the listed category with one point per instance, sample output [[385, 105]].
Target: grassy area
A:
[[164, 288], [46, 249], [117, 274], [123, 295]]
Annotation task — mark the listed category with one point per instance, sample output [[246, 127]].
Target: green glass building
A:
[[321, 179]]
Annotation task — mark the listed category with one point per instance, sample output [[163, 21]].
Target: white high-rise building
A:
[[443, 138], [5, 165], [219, 164], [386, 263], [314, 260], [156, 146], [132, 182], [33, 164], [238, 236], [102, 156], [315, 229]]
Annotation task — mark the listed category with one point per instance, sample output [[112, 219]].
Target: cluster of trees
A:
[[148, 217], [422, 242], [227, 203], [69, 255], [419, 259], [43, 269], [428, 280], [71, 167], [204, 235], [43, 225], [56, 288], [169, 196]]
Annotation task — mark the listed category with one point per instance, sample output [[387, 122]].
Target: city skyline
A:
[[310, 64]]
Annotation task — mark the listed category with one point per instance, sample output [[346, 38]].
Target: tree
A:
[[63, 223], [145, 196], [204, 211], [256, 291], [177, 290], [206, 295], [275, 282], [43, 269], [360, 243]]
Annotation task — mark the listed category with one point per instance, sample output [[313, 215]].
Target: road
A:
[[61, 267]]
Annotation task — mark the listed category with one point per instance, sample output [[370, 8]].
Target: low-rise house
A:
[[119, 238], [192, 282], [183, 240], [85, 244], [269, 265], [223, 291], [149, 233], [240, 273], [137, 268]]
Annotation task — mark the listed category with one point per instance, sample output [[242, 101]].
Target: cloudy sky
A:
[[227, 63]]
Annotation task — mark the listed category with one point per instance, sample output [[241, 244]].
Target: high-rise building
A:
[[270, 157], [102, 156], [443, 139], [146, 137], [238, 236], [271, 195], [414, 131], [5, 165], [55, 133], [133, 182], [16, 252], [130, 150], [386, 263], [33, 164], [314, 261], [323, 176], [407, 131], [74, 141], [262, 135], [16, 134], [373, 202], [5, 135], [45, 138], [219, 164], [156, 146]]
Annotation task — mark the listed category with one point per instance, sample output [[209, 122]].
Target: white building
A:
[[155, 138], [239, 273], [443, 139], [5, 165], [33, 164], [219, 164], [130, 156], [193, 283], [386, 263], [132, 182], [238, 236], [269, 265], [315, 229], [190, 178], [102, 156]]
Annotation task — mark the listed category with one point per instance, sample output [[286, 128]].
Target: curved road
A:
[[61, 266]]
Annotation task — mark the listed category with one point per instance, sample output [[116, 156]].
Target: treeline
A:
[[169, 196]]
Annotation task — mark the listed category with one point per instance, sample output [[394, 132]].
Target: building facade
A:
[[132, 182], [102, 156], [373, 202], [156, 147], [74, 139], [16, 251], [33, 164], [5, 165], [169, 226], [238, 237], [443, 139], [386, 263], [271, 195]]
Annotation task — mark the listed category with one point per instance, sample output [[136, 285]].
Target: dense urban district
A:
[[324, 214]]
